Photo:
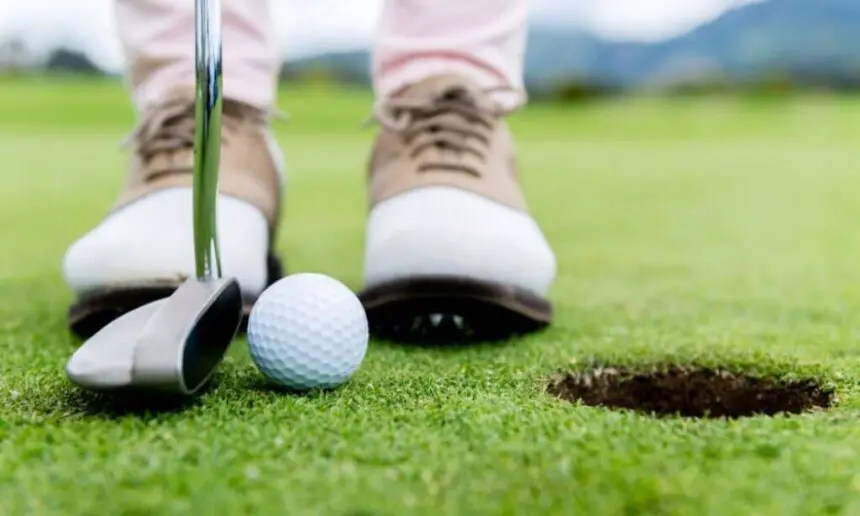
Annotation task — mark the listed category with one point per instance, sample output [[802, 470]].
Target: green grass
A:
[[711, 232]]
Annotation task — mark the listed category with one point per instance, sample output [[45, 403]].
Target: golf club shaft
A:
[[207, 137]]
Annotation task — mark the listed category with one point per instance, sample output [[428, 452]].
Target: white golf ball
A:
[[308, 331]]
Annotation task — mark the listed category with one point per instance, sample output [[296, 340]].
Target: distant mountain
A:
[[792, 35], [804, 36]]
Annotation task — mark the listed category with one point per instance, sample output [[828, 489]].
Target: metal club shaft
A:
[[207, 137]]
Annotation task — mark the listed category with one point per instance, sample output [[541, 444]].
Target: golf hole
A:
[[690, 392]]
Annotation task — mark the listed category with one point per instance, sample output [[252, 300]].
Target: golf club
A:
[[174, 345]]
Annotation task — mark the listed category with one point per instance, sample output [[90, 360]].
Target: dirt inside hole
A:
[[690, 392]]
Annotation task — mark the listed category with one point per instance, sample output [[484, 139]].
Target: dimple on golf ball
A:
[[308, 331]]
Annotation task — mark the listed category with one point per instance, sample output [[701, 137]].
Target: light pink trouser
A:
[[481, 39]]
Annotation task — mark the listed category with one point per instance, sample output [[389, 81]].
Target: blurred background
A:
[[578, 49]]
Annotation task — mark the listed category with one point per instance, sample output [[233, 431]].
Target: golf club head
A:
[[172, 345]]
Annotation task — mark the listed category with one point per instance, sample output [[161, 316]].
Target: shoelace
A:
[[171, 126], [423, 125]]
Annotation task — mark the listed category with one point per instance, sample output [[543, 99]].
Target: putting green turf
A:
[[721, 232]]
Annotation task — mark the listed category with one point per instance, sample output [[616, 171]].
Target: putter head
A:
[[172, 345]]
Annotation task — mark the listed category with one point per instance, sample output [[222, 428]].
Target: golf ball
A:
[[308, 331]]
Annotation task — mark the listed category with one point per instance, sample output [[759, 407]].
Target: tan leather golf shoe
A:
[[451, 249], [143, 249]]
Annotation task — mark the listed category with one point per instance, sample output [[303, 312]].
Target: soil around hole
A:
[[691, 392]]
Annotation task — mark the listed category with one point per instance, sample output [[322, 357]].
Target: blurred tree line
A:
[[17, 59], [766, 84]]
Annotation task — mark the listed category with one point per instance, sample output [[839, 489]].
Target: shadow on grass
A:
[[135, 403], [261, 385], [443, 347]]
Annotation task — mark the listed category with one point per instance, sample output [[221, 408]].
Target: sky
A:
[[307, 26]]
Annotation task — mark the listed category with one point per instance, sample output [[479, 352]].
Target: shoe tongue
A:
[[448, 87], [229, 107], [180, 93]]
